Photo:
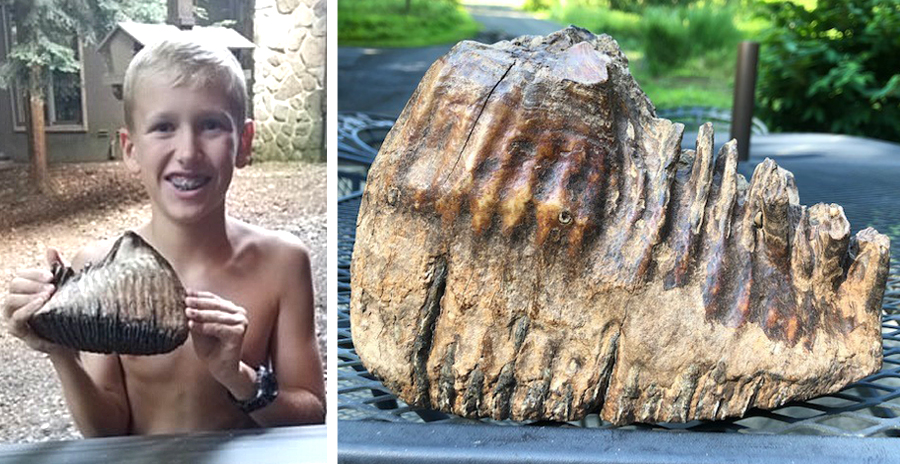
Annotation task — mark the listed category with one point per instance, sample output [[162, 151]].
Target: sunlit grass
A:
[[622, 26], [687, 86], [386, 23]]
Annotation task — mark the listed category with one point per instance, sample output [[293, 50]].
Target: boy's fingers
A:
[[220, 317], [29, 286], [54, 257], [16, 302], [212, 303], [200, 293], [19, 318], [212, 329], [38, 275]]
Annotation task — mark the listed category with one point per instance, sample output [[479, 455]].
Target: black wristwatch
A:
[[266, 391]]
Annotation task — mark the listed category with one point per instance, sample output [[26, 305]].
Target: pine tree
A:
[[44, 33]]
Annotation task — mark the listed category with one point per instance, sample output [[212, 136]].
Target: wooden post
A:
[[181, 13]]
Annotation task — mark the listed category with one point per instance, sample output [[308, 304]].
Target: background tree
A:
[[45, 35], [832, 69]]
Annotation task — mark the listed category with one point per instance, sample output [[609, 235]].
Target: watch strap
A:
[[266, 391]]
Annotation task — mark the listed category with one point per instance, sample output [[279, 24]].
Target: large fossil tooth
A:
[[131, 302], [534, 244]]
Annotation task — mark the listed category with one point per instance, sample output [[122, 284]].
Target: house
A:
[[120, 45], [82, 115]]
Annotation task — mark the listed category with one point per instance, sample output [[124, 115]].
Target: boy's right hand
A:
[[28, 292]]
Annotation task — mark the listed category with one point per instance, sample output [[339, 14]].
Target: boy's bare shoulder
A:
[[92, 252], [278, 248]]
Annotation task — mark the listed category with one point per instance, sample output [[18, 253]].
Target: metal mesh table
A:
[[869, 408]]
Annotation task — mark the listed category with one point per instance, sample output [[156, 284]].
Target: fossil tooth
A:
[[534, 244], [131, 302]]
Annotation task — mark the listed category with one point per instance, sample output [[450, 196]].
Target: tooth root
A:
[[802, 254], [866, 276], [821, 262], [830, 238], [772, 196], [719, 215]]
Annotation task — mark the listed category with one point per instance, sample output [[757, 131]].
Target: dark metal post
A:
[[744, 88]]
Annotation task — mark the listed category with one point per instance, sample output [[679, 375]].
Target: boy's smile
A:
[[185, 145], [187, 182]]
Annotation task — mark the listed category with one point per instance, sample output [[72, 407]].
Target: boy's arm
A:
[[294, 350], [93, 383]]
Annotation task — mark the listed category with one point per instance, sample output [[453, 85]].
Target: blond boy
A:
[[250, 295]]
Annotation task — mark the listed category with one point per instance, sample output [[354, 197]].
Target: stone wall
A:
[[289, 79]]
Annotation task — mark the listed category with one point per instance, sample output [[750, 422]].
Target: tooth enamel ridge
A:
[[534, 244], [131, 302]]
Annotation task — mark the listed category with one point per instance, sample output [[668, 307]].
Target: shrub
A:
[[674, 36], [832, 69], [711, 29], [538, 5], [622, 26], [637, 6], [666, 39]]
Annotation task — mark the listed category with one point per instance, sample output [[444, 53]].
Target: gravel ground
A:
[[100, 200]]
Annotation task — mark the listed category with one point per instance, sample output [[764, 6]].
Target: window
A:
[[64, 108]]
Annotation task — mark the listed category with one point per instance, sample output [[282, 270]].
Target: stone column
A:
[[289, 81]]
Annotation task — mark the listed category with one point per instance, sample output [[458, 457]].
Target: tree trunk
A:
[[37, 141]]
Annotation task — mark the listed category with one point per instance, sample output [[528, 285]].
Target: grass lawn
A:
[[386, 23], [671, 92], [699, 82]]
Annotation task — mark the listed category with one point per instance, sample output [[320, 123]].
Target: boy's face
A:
[[184, 144]]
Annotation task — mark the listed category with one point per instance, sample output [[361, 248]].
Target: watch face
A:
[[266, 390]]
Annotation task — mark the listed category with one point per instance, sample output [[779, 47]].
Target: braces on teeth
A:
[[188, 183]]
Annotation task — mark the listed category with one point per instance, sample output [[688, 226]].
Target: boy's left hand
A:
[[217, 331]]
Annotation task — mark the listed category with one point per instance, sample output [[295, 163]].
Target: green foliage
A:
[[674, 36], [386, 23], [538, 5], [46, 30], [202, 13], [637, 6], [43, 40], [832, 69], [671, 91], [681, 56], [666, 39], [711, 28], [624, 27], [106, 13], [629, 6]]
